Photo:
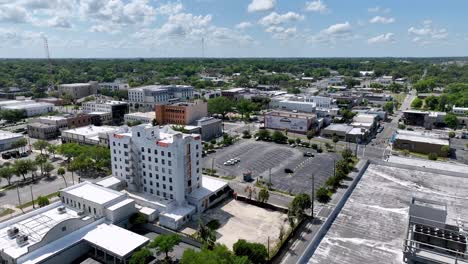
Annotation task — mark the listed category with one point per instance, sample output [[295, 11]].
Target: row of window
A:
[[158, 193], [74, 203]]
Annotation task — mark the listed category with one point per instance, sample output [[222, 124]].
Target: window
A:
[[157, 185], [151, 183], [163, 162], [196, 146], [151, 191], [169, 154], [169, 163], [170, 179], [155, 152], [149, 150], [169, 171], [143, 157], [142, 149], [125, 146], [157, 193], [144, 188], [138, 134], [172, 196], [151, 175], [144, 181], [149, 159], [94, 210], [155, 160], [170, 188], [162, 153], [113, 144], [163, 170], [164, 178], [64, 228], [89, 209], [164, 186]]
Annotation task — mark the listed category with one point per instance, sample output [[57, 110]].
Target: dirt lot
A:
[[239, 220]]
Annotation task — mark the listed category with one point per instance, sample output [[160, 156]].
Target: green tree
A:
[[322, 195], [42, 201], [347, 154], [48, 168], [299, 204], [141, 256], [52, 149], [417, 103], [255, 252], [445, 151], [431, 102], [165, 244], [61, 173], [279, 137], [41, 145], [137, 219], [6, 172], [220, 105], [310, 134], [219, 255], [205, 234], [451, 134], [41, 160], [389, 106], [263, 195], [433, 156], [263, 134], [244, 107], [451, 120], [22, 167], [20, 143]]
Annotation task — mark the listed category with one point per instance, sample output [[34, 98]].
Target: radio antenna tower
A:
[[203, 47], [49, 62]]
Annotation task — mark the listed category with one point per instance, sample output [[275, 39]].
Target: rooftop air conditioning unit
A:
[[61, 210], [12, 231], [22, 239]]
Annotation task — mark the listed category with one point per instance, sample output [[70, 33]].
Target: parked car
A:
[[288, 170], [6, 155], [308, 154]]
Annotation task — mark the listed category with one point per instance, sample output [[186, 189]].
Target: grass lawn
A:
[[6, 212], [30, 203]]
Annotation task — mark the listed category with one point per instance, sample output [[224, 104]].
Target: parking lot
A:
[[261, 157]]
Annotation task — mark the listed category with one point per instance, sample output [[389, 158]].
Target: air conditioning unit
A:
[[12, 231], [22, 239], [61, 209]]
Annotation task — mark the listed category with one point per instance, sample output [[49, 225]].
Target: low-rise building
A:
[[424, 119], [210, 128], [293, 122], [346, 133], [234, 93], [78, 90], [49, 127], [143, 117], [114, 86], [118, 109], [366, 121], [181, 113], [52, 100], [42, 131], [101, 118], [87, 221], [7, 139], [424, 143], [306, 107], [378, 97], [89, 135], [462, 111], [31, 109], [146, 97]]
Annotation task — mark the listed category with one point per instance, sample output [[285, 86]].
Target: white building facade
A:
[[147, 97]]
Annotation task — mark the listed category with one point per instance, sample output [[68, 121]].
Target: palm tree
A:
[[48, 167], [250, 190], [206, 234], [61, 173], [41, 145], [6, 172], [52, 149], [41, 160], [22, 167]]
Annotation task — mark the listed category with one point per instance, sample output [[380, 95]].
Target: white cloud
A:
[[14, 14], [59, 22], [170, 8], [378, 9], [261, 5], [334, 33], [338, 29], [282, 33], [243, 25], [316, 6], [382, 20], [277, 19], [118, 12], [380, 39], [105, 28], [427, 34]]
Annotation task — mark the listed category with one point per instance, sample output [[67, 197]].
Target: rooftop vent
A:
[[22, 239]]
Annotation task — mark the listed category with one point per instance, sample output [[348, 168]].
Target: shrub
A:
[[401, 126], [314, 146], [451, 134], [290, 141], [42, 201], [322, 195], [137, 219], [256, 252], [445, 150], [319, 150], [433, 156], [213, 224]]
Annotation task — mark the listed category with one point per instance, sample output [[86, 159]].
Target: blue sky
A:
[[233, 28]]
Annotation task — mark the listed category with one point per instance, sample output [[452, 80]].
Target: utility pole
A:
[[212, 165], [313, 196], [269, 176], [32, 197], [19, 199], [334, 167]]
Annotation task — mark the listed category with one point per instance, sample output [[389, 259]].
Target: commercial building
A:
[[78, 90], [49, 127], [118, 109], [346, 133], [306, 107], [162, 170], [114, 86], [31, 108], [366, 121], [101, 118], [51, 100], [181, 113], [460, 110], [87, 220], [381, 114], [320, 101], [210, 128], [146, 97], [378, 97], [143, 117], [7, 139], [89, 135], [424, 143], [426, 119], [423, 209], [233, 93], [293, 122]]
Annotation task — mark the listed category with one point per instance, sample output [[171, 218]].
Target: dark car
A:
[[287, 170], [6, 155], [308, 154]]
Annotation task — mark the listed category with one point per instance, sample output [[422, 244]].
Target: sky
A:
[[233, 28]]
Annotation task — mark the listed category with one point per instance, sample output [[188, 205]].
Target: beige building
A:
[[78, 90], [181, 113]]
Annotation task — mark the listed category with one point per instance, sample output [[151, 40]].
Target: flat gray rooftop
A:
[[372, 225]]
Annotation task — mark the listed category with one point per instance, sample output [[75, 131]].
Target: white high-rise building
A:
[[162, 171], [157, 161]]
